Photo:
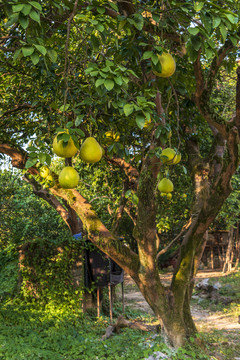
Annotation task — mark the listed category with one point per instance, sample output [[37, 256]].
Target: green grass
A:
[[232, 309], [60, 332], [27, 332]]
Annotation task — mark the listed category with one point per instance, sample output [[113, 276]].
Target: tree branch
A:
[[131, 172]]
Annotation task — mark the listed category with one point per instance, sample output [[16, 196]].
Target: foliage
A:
[[27, 332], [31, 226], [92, 66], [230, 288]]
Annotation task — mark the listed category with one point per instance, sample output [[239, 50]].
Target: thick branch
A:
[[98, 234], [131, 172]]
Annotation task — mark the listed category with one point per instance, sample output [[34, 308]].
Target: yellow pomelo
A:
[[91, 151], [49, 181], [110, 137], [169, 196], [165, 186], [168, 65], [167, 155], [68, 178], [147, 123], [177, 159], [62, 150], [44, 171]]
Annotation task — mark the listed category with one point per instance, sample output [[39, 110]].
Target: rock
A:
[[217, 285], [158, 355]]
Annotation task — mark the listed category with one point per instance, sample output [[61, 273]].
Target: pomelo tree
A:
[[91, 67]]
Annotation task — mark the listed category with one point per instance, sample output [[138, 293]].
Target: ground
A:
[[204, 318]]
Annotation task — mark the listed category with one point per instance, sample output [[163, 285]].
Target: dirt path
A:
[[204, 319]]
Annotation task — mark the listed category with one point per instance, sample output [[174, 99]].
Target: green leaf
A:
[[147, 55], [35, 58], [140, 120], [99, 82], [109, 84], [48, 159], [65, 137], [26, 9], [209, 53], [118, 80], [128, 109], [234, 40], [36, 5], [154, 59], [232, 18], [216, 21], [17, 8], [128, 193], [24, 21], [223, 31], [42, 158], [35, 16], [64, 107], [30, 162], [193, 30], [114, 6], [80, 132], [79, 119], [138, 21], [207, 21], [101, 10], [17, 54], [198, 5], [41, 49], [32, 148], [27, 50], [196, 43], [100, 27], [53, 55]]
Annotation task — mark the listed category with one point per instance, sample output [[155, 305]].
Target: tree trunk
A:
[[228, 265], [237, 254]]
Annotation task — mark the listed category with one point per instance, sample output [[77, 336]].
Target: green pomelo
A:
[[167, 155], [168, 65], [62, 150], [165, 186], [68, 178], [90, 151]]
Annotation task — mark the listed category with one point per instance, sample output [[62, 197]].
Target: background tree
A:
[[90, 67]]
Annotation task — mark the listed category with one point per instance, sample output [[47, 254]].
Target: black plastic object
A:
[[99, 269]]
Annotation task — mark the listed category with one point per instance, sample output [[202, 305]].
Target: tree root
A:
[[123, 323]]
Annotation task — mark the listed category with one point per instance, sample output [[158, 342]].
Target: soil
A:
[[204, 319]]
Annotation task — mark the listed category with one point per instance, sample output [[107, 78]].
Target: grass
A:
[[62, 333]]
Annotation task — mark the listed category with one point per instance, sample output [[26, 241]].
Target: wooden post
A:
[[110, 302], [212, 257], [98, 302], [123, 305]]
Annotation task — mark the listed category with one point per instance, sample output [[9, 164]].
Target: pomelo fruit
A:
[[168, 65], [177, 159], [167, 155], [62, 150], [111, 137], [44, 171], [68, 178], [165, 186], [49, 181], [90, 151]]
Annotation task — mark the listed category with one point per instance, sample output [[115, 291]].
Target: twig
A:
[[185, 227]]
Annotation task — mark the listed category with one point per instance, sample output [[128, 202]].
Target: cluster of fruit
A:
[[90, 152], [168, 157]]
